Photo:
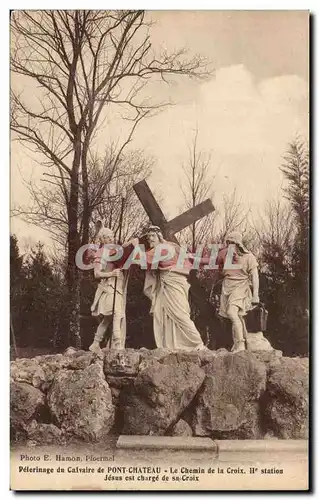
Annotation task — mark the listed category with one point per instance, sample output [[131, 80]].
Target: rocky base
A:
[[79, 396]]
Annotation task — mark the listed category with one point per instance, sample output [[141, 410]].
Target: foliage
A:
[[285, 251], [36, 298]]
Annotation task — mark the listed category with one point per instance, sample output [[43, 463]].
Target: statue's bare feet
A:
[[238, 346], [202, 348], [95, 347], [116, 345]]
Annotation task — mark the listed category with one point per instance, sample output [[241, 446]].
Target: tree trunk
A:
[[85, 196], [84, 275], [72, 272], [13, 337]]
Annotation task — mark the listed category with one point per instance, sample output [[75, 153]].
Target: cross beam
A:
[[169, 228], [149, 203]]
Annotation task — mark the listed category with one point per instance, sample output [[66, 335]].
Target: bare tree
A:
[[106, 183], [197, 185], [231, 215], [80, 63], [106, 203], [276, 232]]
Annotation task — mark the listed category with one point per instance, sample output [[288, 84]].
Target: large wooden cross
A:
[[169, 228], [198, 293]]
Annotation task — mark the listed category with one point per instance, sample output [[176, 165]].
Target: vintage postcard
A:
[[159, 329]]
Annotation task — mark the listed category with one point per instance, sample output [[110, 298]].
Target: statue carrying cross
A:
[[168, 291], [167, 277], [173, 327]]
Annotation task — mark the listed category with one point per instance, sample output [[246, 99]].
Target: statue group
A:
[[167, 266]]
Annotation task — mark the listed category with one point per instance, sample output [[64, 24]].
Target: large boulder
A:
[[26, 404], [79, 396], [160, 394], [268, 357], [44, 434], [40, 371], [158, 353], [81, 403], [287, 398], [147, 355], [257, 342], [227, 405], [50, 364], [177, 357], [121, 362], [72, 359], [79, 360], [117, 384], [181, 428], [27, 371]]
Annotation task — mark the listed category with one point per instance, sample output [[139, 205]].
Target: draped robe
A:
[[167, 288]]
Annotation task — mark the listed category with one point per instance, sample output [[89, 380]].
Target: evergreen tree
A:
[[296, 173], [284, 281], [16, 290], [42, 292]]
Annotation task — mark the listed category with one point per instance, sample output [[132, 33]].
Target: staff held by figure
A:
[[110, 297], [116, 277]]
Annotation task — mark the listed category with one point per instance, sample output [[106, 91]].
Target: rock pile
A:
[[79, 396]]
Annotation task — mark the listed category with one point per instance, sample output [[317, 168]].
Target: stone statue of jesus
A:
[[167, 288]]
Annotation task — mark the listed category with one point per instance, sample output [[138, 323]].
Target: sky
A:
[[255, 103]]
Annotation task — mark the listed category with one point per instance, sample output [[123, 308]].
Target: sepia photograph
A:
[[159, 250]]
